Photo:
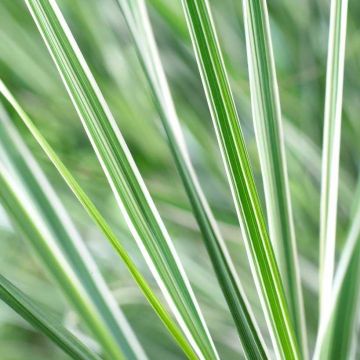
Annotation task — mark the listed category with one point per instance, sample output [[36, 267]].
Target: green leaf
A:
[[269, 135], [338, 334], [129, 189], [101, 223], [240, 177], [44, 321], [39, 214], [331, 148], [136, 16]]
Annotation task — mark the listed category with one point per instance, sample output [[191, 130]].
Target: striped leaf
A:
[[41, 217], [269, 135], [135, 14], [44, 321], [331, 148], [101, 223], [129, 189], [337, 336], [226, 122]]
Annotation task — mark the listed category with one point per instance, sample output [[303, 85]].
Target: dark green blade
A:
[[44, 321], [226, 122], [135, 14]]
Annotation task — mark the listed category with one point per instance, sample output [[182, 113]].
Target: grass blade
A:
[[338, 330], [43, 321], [236, 161], [29, 221], [101, 223], [40, 215], [138, 22], [125, 180], [331, 148], [269, 135]]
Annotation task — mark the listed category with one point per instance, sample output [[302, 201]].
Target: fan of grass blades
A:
[[274, 254]]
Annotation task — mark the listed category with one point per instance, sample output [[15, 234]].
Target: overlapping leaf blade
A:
[[237, 164], [338, 329], [90, 207], [135, 14], [38, 212], [44, 321], [128, 187], [331, 149], [269, 135]]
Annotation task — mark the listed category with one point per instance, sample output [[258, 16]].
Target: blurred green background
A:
[[299, 32]]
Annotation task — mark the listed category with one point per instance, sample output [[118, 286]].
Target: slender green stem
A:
[[269, 135], [226, 122], [130, 192], [136, 16], [91, 209], [44, 321], [338, 329], [30, 223], [331, 148], [59, 246]]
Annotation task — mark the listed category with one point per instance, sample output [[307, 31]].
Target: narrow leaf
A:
[[138, 22], [269, 135], [101, 223], [240, 177], [39, 214], [338, 334], [125, 180], [44, 321], [331, 148]]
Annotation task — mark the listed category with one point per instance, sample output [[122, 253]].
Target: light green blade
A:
[[135, 14], [269, 135], [337, 336], [29, 220], [331, 148], [129, 189], [44, 321], [101, 223], [59, 246], [236, 161]]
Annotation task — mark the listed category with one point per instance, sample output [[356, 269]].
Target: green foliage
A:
[[266, 112], [139, 25], [331, 148], [157, 265], [238, 169], [101, 223], [44, 321]]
